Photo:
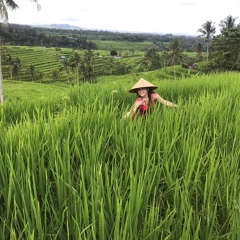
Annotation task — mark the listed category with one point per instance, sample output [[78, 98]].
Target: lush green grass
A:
[[72, 168], [16, 90], [46, 60], [124, 45]]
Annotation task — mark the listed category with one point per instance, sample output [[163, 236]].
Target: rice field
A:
[[46, 60], [72, 168]]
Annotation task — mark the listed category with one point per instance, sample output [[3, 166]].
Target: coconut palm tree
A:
[[174, 53], [89, 58], [10, 61], [32, 71], [6, 5], [151, 60], [88, 62], [75, 61], [208, 30], [17, 68], [111, 64], [66, 66], [199, 49], [227, 24], [55, 74]]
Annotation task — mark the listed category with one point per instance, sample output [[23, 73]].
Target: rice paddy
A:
[[73, 168]]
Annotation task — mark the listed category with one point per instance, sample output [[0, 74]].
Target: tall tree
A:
[[151, 60], [6, 5], [55, 74], [227, 24], [208, 30], [17, 68], [66, 65], [87, 65], [199, 49], [225, 51], [75, 61], [174, 53], [10, 61], [32, 71], [89, 58], [111, 64]]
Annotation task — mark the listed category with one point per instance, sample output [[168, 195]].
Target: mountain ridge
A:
[[72, 27]]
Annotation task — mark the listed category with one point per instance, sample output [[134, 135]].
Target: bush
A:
[[113, 53]]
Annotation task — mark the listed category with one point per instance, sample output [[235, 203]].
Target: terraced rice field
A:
[[73, 168]]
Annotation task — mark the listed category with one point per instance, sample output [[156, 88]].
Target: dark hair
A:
[[150, 91]]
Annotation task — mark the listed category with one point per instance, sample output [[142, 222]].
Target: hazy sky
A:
[[166, 16]]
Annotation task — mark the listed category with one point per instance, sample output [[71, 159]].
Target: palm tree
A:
[[55, 74], [199, 49], [151, 60], [208, 30], [174, 53], [1, 77], [227, 24], [75, 62], [39, 75], [6, 5], [88, 65], [111, 64], [10, 61], [32, 71], [17, 68], [66, 66], [89, 58]]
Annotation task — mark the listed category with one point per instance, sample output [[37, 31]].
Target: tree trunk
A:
[[77, 76], [207, 55], [1, 80], [174, 71]]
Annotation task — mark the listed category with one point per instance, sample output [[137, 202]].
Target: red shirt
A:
[[143, 109]]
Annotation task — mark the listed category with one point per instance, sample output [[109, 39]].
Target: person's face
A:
[[142, 92]]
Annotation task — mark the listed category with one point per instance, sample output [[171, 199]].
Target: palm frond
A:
[[4, 7], [38, 5], [10, 4]]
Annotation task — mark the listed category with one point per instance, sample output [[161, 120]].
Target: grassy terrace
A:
[[72, 168], [46, 60]]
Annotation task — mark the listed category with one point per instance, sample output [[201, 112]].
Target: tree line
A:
[[24, 35]]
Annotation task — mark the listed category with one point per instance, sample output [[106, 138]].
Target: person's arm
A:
[[128, 114], [163, 101], [133, 108]]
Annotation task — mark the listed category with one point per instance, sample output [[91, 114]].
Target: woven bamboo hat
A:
[[142, 83]]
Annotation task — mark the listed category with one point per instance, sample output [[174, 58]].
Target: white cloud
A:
[[172, 16]]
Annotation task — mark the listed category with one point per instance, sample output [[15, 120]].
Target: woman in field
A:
[[145, 99]]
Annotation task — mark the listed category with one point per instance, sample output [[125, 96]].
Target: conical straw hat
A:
[[142, 83]]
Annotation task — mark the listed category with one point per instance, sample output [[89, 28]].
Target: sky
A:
[[151, 16]]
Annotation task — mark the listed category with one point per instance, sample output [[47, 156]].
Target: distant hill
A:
[[59, 26], [70, 27], [66, 35]]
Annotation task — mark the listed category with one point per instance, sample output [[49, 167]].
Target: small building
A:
[[62, 58], [192, 65]]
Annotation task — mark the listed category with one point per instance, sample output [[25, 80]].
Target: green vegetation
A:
[[124, 45], [35, 60], [24, 35], [72, 168], [225, 53], [15, 91]]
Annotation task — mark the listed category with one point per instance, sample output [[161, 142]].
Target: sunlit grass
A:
[[72, 168]]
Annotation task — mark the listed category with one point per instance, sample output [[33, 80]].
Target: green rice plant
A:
[[73, 168]]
